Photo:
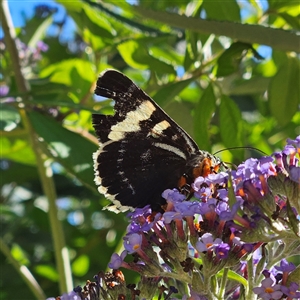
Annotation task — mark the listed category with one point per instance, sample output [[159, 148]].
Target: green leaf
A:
[[227, 10], [25, 173], [164, 52], [62, 72], [81, 265], [18, 253], [9, 118], [88, 18], [250, 86], [17, 149], [77, 74], [230, 59], [134, 54], [70, 149], [246, 33], [234, 276], [128, 20], [137, 56], [168, 92], [205, 108], [230, 123], [47, 272], [35, 30], [284, 94], [293, 21], [181, 114], [279, 4], [40, 32], [294, 276]]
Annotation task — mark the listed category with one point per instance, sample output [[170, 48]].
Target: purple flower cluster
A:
[[234, 215], [225, 243], [276, 284], [30, 55]]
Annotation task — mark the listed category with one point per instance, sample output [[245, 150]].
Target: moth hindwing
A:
[[142, 150]]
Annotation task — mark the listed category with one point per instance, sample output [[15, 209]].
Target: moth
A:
[[142, 150]]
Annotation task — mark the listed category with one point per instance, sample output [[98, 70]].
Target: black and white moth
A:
[[142, 150]]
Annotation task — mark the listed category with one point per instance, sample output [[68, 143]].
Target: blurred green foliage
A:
[[218, 88]]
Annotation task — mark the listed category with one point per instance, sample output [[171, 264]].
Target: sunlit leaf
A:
[[87, 17], [70, 149], [18, 253], [167, 93], [247, 33], [230, 59], [81, 265], [40, 32], [137, 56], [204, 110], [9, 118], [222, 10], [62, 72], [17, 149], [234, 276], [284, 94], [47, 271], [230, 123]]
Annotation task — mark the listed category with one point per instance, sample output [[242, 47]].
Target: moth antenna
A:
[[241, 147], [225, 163]]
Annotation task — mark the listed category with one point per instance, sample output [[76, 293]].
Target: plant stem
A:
[[249, 294], [23, 272], [45, 174], [223, 284], [10, 41]]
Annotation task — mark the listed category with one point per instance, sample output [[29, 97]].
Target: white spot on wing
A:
[[132, 120], [171, 149], [117, 207], [158, 129]]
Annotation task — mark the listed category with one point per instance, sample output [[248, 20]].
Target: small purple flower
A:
[[133, 242], [197, 183], [202, 193], [187, 208], [257, 255], [218, 178], [285, 266], [173, 195], [295, 174], [267, 290], [116, 260], [222, 250], [207, 242], [138, 212], [4, 89], [209, 206], [248, 247], [291, 292], [288, 150], [170, 216], [229, 214], [245, 170], [253, 168], [141, 220], [70, 296], [40, 45], [135, 227], [266, 165], [295, 142], [223, 194]]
